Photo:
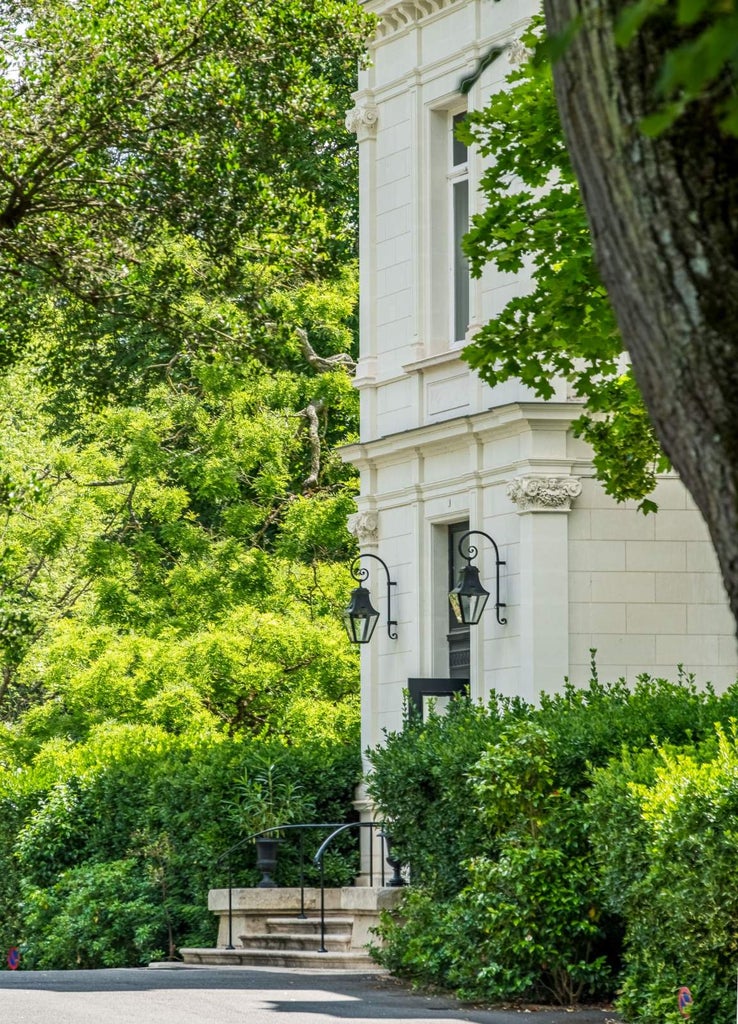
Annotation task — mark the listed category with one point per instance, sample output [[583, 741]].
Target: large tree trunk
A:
[[664, 220]]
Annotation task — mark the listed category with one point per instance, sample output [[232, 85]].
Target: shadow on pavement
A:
[[340, 995]]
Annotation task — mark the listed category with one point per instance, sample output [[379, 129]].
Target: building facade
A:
[[442, 453]]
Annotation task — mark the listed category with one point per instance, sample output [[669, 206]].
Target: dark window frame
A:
[[419, 688]]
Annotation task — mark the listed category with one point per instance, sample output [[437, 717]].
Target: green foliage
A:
[[563, 328], [418, 939], [268, 795], [172, 507], [419, 782], [590, 725], [562, 332], [532, 905], [137, 567], [131, 123], [664, 832], [95, 915], [112, 844], [536, 866]]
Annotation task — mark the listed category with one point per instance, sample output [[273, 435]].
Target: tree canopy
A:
[[177, 236], [163, 169], [177, 334]]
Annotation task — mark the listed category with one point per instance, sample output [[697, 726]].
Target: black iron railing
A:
[[319, 857], [337, 828]]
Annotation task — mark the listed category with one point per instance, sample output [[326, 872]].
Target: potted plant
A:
[[267, 798]]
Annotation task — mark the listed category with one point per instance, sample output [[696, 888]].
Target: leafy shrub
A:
[[672, 876], [417, 938], [588, 726], [533, 901], [136, 795], [95, 915], [528, 920], [525, 877], [13, 808], [419, 781]]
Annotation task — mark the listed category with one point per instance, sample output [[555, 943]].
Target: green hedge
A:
[[665, 834], [549, 858], [109, 849]]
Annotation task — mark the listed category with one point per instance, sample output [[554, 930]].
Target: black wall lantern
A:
[[468, 598], [360, 618]]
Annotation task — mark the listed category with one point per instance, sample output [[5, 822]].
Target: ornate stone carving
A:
[[402, 15], [362, 120], [544, 493], [518, 52], [364, 526]]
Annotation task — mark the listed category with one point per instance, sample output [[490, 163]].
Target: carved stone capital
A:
[[544, 493], [362, 121], [518, 52], [365, 527]]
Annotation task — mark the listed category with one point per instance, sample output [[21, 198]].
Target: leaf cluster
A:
[[663, 831], [700, 65], [164, 171], [562, 328]]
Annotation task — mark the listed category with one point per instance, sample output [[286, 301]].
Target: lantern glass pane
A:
[[472, 606]]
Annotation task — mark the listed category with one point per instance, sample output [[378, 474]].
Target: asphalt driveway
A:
[[226, 995]]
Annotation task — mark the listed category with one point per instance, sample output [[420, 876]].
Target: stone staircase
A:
[[267, 930]]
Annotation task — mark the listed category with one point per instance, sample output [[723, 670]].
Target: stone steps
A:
[[290, 925], [266, 930], [295, 958], [334, 941]]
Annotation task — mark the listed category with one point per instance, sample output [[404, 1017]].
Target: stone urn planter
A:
[[267, 801], [397, 880], [266, 860]]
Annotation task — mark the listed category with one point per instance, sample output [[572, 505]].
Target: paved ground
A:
[[225, 995]]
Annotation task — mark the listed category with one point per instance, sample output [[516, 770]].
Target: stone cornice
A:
[[544, 493], [397, 15], [503, 420]]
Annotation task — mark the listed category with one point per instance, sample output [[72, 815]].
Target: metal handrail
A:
[[255, 835], [318, 861]]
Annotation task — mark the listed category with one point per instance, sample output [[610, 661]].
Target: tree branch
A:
[[324, 364], [311, 413]]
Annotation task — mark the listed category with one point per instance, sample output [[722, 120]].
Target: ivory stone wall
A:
[[439, 446]]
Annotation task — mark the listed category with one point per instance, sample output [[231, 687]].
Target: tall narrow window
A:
[[458, 178], [459, 646]]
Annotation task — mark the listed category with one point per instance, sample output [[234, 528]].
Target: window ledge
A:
[[452, 355]]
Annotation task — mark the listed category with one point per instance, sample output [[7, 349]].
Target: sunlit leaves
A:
[[563, 327]]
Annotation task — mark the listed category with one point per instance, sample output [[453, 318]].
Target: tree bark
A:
[[664, 219]]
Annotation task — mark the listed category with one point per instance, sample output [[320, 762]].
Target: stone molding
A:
[[544, 493], [361, 120], [406, 13], [365, 527]]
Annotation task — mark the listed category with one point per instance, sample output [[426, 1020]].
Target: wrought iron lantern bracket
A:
[[468, 598], [360, 608]]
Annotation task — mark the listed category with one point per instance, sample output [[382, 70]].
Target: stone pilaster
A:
[[543, 503]]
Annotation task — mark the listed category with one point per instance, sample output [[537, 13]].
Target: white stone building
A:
[[441, 452]]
